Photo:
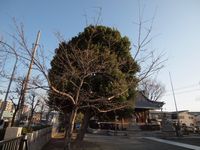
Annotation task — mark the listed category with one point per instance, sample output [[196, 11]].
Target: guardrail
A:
[[19, 143]]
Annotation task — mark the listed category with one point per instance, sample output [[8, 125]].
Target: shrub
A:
[[34, 128]]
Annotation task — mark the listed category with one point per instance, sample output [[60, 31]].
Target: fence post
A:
[[23, 143]]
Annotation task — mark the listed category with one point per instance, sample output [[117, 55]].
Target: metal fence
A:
[[2, 133], [19, 143]]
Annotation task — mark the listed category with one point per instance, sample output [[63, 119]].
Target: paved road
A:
[[127, 143]]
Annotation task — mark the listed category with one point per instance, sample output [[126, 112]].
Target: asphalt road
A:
[[133, 143]]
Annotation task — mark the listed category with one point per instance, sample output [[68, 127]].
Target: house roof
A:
[[195, 113], [142, 102]]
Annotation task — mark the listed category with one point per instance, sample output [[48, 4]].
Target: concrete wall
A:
[[12, 132], [37, 139]]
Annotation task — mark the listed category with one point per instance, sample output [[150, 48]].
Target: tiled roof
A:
[[144, 103]]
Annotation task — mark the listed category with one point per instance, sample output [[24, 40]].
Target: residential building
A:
[[197, 118], [8, 105], [25, 109], [7, 116], [185, 117], [8, 111], [36, 118]]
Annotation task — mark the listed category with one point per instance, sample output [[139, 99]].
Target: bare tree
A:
[[26, 56], [6, 46], [152, 89], [33, 102], [149, 60], [91, 64], [18, 95]]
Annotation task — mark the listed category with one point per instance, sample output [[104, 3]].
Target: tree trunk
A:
[[122, 123], [68, 138], [13, 118], [67, 122], [84, 126], [30, 120]]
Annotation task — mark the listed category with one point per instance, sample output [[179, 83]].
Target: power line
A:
[[184, 87], [182, 92]]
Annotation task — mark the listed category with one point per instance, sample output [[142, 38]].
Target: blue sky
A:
[[177, 24]]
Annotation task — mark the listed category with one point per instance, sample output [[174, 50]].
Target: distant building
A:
[[25, 109], [9, 107], [140, 116], [186, 118], [7, 115], [197, 118], [158, 115], [143, 106], [36, 118], [8, 111]]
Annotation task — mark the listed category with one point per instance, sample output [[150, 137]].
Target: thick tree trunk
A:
[[67, 122], [13, 118], [84, 127], [68, 137], [30, 120]]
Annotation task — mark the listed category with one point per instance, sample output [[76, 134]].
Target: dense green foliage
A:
[[101, 57]]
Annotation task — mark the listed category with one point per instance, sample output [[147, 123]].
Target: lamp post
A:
[[27, 78], [178, 123], [8, 89]]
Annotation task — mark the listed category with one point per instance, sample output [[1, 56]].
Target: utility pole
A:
[[28, 76], [8, 89], [178, 123]]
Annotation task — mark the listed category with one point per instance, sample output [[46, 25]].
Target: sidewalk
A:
[[56, 142]]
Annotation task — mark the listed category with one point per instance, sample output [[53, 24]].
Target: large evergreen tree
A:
[[93, 71]]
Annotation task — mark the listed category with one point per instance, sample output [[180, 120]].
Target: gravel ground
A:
[[102, 142]]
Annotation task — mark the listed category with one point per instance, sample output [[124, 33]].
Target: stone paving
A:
[[137, 141]]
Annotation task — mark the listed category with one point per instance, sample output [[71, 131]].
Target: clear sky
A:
[[177, 25]]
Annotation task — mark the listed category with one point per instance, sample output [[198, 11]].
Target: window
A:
[[181, 117], [190, 117]]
